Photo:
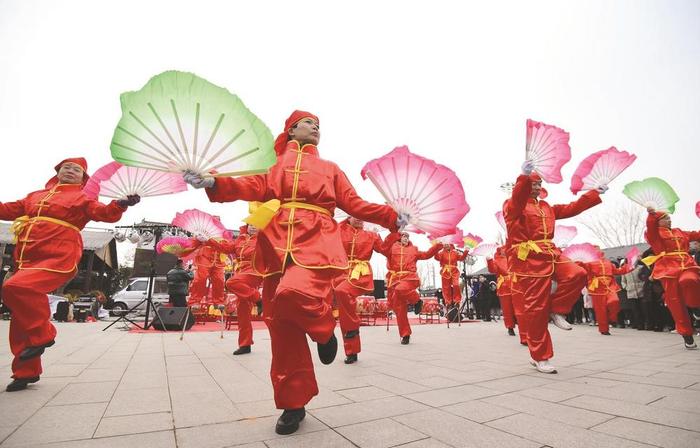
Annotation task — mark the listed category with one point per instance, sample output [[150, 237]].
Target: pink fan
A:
[[547, 147], [632, 256], [455, 238], [115, 180], [584, 252], [697, 209], [600, 168], [175, 245], [429, 193], [501, 220], [198, 222], [471, 241], [487, 250], [563, 235]]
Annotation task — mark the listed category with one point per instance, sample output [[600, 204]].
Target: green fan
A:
[[652, 192], [179, 121]]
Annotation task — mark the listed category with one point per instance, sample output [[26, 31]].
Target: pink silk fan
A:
[[600, 168], [198, 222], [584, 252], [118, 181], [547, 147]]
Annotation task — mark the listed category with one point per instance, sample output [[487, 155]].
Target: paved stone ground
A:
[[468, 386]]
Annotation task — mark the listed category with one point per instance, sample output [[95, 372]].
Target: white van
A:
[[136, 290]]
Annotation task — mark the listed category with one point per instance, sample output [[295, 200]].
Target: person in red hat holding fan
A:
[[299, 251], [676, 269], [449, 273], [545, 284], [357, 280], [47, 225]]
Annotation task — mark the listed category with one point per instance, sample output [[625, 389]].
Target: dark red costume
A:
[[675, 269], [534, 261], [603, 290], [47, 224], [504, 289], [299, 252], [358, 280], [449, 273], [401, 278]]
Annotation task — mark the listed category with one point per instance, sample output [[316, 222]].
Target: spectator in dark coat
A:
[[179, 284]]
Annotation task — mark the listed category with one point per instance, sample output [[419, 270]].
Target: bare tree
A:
[[620, 224]]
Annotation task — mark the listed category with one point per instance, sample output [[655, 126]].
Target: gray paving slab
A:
[[382, 433]]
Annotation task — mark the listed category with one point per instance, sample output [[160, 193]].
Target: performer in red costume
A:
[[298, 252], [357, 280], [676, 269], [401, 278], [47, 225], [603, 290], [245, 283], [449, 273], [504, 289], [537, 265], [209, 262]]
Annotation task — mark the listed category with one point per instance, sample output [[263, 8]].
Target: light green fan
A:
[[179, 121], [652, 192]]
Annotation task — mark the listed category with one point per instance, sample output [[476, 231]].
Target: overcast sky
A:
[[454, 83]]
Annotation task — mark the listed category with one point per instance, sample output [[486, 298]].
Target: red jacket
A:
[[671, 247], [211, 253], [310, 237], [402, 260], [242, 249], [601, 274], [448, 261], [49, 222], [359, 245], [530, 224], [499, 266]]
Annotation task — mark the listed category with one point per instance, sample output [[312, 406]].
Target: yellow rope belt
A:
[[22, 222], [395, 273], [595, 281], [360, 268], [525, 247], [447, 269], [261, 216], [654, 258]]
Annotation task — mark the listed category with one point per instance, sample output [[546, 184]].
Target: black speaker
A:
[[173, 319], [378, 292]]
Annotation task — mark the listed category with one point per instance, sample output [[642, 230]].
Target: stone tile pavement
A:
[[459, 387]]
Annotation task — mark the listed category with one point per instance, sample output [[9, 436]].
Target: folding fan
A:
[[584, 252], [487, 250], [175, 245], [652, 192], [600, 168], [455, 238], [501, 220], [430, 193], [198, 222], [179, 121], [115, 180], [563, 235], [632, 256], [471, 241], [697, 209], [547, 147]]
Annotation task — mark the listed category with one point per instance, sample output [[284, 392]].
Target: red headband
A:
[[283, 138], [81, 162]]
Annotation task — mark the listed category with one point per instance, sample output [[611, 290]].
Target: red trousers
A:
[[294, 305], [606, 307], [533, 296], [199, 290], [246, 287], [679, 294], [451, 292], [25, 294], [511, 313], [400, 295], [346, 297]]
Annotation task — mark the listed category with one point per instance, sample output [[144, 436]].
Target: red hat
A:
[[283, 138], [534, 177], [81, 162]]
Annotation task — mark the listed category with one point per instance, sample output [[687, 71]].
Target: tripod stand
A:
[[148, 300]]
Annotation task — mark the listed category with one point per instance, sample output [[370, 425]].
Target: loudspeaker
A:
[[173, 319], [378, 292]]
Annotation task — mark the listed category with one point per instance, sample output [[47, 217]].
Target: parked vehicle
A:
[[137, 290]]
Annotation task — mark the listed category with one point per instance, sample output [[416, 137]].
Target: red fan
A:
[[600, 168], [547, 147]]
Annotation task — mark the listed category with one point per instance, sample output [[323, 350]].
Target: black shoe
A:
[[605, 333], [351, 334], [288, 422], [418, 306], [689, 343], [20, 383], [33, 352], [245, 349], [405, 340], [350, 359], [326, 352], [511, 332]]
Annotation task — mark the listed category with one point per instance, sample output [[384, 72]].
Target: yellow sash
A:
[[447, 269], [525, 247], [595, 282], [654, 258], [360, 268], [263, 214], [500, 281], [395, 273], [22, 222]]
